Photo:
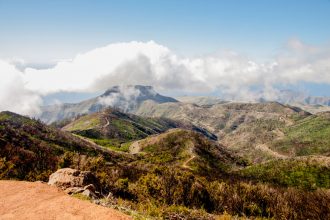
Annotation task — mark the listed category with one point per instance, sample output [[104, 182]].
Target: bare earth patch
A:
[[35, 200]]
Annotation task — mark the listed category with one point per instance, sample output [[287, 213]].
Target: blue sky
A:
[[44, 32]]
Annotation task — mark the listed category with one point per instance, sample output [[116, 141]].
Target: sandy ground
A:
[[35, 200]]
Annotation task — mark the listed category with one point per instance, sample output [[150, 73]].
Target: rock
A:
[[90, 187], [89, 193], [74, 190], [75, 181], [67, 177]]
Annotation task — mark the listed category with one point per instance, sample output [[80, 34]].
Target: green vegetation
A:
[[307, 174], [30, 150], [176, 174], [113, 144], [113, 125], [309, 136], [164, 190], [89, 122], [81, 197]]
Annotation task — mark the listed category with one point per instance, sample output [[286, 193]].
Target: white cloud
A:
[[125, 99], [14, 96], [153, 64]]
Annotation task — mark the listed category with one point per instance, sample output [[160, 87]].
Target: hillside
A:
[[309, 136], [244, 128], [113, 124], [31, 150], [200, 100], [188, 150], [309, 173], [125, 98], [112, 128], [176, 173]]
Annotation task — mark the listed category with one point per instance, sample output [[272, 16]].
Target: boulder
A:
[[75, 181]]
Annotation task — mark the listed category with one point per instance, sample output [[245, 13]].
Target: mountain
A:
[[244, 128], [201, 100], [112, 128], [125, 98], [176, 173], [290, 97], [31, 150], [308, 136], [313, 104], [188, 150]]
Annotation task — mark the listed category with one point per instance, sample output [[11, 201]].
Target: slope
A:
[[244, 128], [31, 150], [183, 149], [309, 136], [112, 128]]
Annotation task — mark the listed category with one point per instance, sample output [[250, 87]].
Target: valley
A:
[[164, 158]]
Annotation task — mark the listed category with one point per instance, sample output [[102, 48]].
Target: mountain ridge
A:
[[126, 98]]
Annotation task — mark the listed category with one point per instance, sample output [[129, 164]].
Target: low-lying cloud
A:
[[153, 64]]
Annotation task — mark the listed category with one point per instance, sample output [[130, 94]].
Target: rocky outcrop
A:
[[75, 181]]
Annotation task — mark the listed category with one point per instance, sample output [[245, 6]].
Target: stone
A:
[[90, 187], [89, 194], [75, 181], [74, 190], [67, 177]]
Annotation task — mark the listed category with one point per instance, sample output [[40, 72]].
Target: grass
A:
[[305, 174], [81, 197], [85, 123], [113, 144], [309, 136]]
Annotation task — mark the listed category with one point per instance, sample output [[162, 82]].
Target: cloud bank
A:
[[149, 63]]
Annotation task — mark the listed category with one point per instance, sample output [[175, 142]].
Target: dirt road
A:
[[35, 200]]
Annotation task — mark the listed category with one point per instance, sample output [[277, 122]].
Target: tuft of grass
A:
[[81, 197]]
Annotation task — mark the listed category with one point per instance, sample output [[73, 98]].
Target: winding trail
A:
[[107, 124], [190, 150], [266, 149], [185, 164]]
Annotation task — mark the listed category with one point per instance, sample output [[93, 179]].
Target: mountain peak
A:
[[145, 90], [133, 94], [126, 98]]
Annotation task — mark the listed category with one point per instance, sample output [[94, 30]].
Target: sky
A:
[[181, 47]]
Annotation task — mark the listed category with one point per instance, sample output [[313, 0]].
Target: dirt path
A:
[[191, 152], [265, 148], [107, 124], [185, 164], [135, 148], [35, 200]]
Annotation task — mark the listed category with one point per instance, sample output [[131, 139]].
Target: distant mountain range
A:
[[292, 97], [283, 96], [129, 99]]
